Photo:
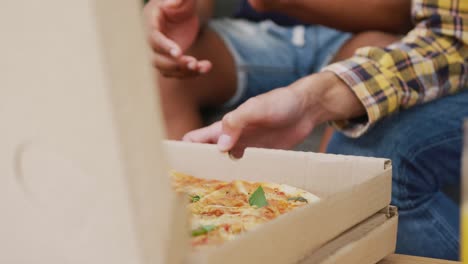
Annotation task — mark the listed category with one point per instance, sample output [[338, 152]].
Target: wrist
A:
[[327, 98], [340, 100]]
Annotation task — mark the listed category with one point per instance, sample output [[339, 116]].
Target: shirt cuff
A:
[[374, 87]]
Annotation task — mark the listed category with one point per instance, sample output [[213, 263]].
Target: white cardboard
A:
[[464, 172], [83, 178], [322, 174], [366, 243]]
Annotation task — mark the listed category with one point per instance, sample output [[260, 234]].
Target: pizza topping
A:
[[282, 205], [202, 230], [195, 198], [199, 241], [278, 192], [258, 198], [216, 212], [240, 187], [298, 199], [270, 213], [220, 211]]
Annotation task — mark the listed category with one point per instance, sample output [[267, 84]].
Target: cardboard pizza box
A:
[[465, 168], [367, 242], [351, 189], [83, 176], [464, 196], [84, 171]]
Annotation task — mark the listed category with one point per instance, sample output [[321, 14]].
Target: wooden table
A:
[[402, 259]]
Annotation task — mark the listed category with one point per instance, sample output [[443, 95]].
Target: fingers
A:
[[209, 134], [186, 66], [200, 66], [159, 42], [168, 58], [171, 10], [178, 10], [204, 66], [162, 44], [252, 112], [168, 55], [227, 132]]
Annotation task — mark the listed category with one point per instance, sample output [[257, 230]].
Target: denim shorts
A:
[[270, 56]]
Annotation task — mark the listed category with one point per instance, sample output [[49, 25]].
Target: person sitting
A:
[[405, 102], [204, 62]]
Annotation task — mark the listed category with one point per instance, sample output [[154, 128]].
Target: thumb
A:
[[178, 10], [234, 123]]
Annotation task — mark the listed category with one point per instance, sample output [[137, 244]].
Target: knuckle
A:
[[252, 102], [228, 120]]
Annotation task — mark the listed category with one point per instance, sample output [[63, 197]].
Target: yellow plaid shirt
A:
[[431, 61]]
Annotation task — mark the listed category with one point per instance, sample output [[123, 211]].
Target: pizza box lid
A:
[[84, 173]]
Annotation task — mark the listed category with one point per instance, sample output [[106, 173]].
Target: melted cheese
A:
[[225, 208]]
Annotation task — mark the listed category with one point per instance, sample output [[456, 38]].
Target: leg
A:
[[242, 67], [424, 144], [248, 59], [182, 98]]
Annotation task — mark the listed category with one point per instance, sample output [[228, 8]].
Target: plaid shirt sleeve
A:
[[429, 62]]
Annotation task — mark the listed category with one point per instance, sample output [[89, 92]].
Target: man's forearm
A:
[[358, 15]]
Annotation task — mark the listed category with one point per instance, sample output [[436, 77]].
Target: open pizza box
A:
[[351, 189], [85, 172]]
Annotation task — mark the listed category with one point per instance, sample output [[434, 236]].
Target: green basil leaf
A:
[[203, 230], [298, 199], [258, 198], [195, 198]]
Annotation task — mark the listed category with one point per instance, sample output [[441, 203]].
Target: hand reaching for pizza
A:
[[283, 117], [173, 26], [276, 119]]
